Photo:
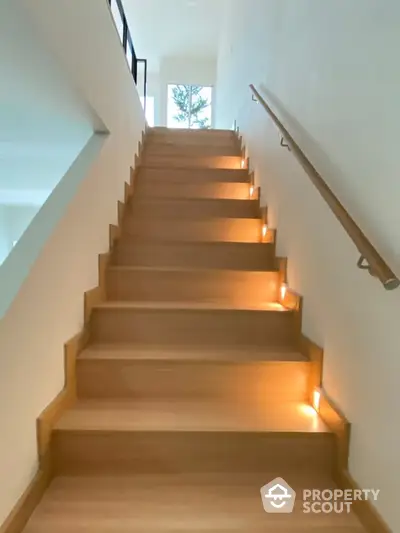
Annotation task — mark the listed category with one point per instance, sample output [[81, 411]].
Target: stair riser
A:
[[171, 189], [226, 230], [195, 209], [192, 162], [192, 327], [217, 146], [81, 452], [185, 136], [246, 383], [228, 287], [190, 150], [205, 255], [193, 175]]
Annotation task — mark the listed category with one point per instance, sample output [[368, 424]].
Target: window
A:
[[189, 106]]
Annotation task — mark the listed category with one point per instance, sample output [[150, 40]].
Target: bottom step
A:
[[178, 504]]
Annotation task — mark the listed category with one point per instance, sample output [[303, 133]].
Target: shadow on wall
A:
[[14, 219], [17, 265], [331, 172], [44, 124]]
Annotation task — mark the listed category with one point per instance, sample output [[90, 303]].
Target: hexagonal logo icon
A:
[[278, 497]]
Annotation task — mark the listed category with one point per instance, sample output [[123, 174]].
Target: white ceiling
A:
[[174, 28]]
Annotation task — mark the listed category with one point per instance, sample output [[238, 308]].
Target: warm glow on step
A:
[[283, 291], [251, 191], [264, 230], [309, 412], [316, 399], [243, 163]]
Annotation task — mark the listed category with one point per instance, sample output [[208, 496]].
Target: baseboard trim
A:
[[98, 294], [315, 355], [66, 398], [290, 298], [328, 410], [365, 511], [340, 426], [19, 516]]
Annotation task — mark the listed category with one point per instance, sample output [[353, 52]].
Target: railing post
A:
[[145, 84], [134, 66], [125, 33], [144, 61]]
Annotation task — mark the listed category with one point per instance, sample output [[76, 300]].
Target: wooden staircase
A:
[[192, 390]]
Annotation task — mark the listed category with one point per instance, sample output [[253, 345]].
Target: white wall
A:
[[184, 70], [154, 90], [330, 71], [44, 122], [3, 236], [55, 261], [14, 219], [18, 218], [174, 28]]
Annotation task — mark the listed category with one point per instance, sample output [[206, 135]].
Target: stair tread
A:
[[168, 188], [182, 156], [206, 306], [216, 255], [99, 482], [215, 220], [169, 242], [212, 183], [217, 271], [164, 199], [194, 208], [187, 415], [188, 162], [198, 503], [132, 240], [176, 177], [234, 230], [192, 353]]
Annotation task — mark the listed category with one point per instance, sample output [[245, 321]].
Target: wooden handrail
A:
[[370, 259]]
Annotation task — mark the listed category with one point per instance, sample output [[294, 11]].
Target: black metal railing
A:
[[144, 63], [121, 22]]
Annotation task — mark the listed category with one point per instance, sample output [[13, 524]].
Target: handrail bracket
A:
[[284, 144], [363, 264]]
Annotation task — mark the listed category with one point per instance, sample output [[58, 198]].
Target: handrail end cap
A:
[[391, 284]]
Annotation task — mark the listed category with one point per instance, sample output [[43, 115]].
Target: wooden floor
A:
[[192, 391]]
